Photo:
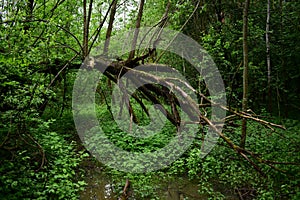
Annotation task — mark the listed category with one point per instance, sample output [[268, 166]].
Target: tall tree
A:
[[86, 25], [268, 57], [245, 72], [136, 32], [110, 25]]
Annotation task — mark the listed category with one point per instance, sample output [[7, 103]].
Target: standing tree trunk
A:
[[136, 32], [110, 26], [85, 35], [245, 72], [268, 57], [282, 63], [86, 24], [108, 32]]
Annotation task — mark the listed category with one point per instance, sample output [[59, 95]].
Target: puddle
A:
[[100, 187]]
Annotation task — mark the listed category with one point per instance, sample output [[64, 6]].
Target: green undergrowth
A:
[[222, 172], [46, 167]]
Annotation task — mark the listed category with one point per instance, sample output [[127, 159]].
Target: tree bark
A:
[[245, 72], [110, 25], [268, 57], [86, 24], [108, 32], [136, 32], [85, 36]]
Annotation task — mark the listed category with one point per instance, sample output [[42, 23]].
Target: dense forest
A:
[[202, 98]]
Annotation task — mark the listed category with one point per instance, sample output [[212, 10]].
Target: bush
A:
[[45, 172]]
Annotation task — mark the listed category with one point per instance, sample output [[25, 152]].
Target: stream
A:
[[100, 187]]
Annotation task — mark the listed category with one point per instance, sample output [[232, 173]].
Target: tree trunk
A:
[[108, 32], [245, 72], [136, 32], [281, 65], [85, 36], [86, 24], [110, 26], [268, 58]]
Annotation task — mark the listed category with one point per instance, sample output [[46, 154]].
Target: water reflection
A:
[[99, 186]]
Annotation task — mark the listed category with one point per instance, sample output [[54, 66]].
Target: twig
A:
[[244, 115], [125, 195], [239, 193]]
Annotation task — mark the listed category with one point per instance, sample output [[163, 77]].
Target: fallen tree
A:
[[171, 101]]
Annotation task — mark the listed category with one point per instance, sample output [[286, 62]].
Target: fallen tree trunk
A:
[[165, 92]]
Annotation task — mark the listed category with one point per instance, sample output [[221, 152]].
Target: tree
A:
[[245, 72], [268, 57]]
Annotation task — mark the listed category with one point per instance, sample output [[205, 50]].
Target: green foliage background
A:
[[41, 50]]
